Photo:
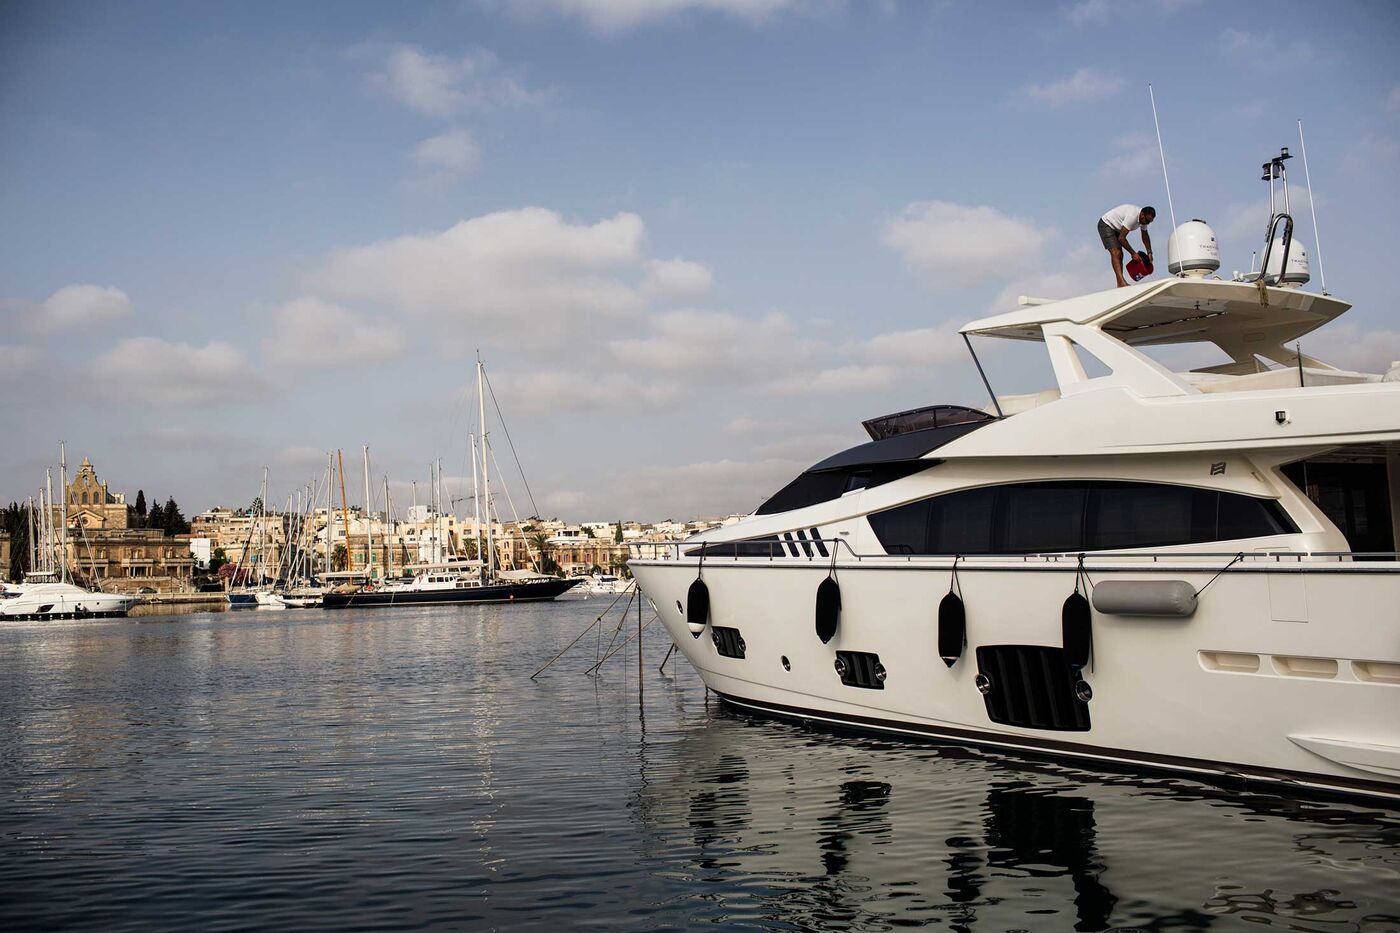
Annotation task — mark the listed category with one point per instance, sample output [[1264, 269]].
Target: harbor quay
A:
[[122, 546]]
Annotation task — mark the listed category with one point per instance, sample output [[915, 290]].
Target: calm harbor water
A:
[[397, 769]]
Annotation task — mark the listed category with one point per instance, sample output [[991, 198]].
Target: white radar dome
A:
[[1297, 272], [1192, 250]]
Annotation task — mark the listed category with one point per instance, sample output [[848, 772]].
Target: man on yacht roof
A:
[[1113, 231]]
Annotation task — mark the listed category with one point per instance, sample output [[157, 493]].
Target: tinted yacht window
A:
[[1040, 517], [1049, 517], [1137, 515]]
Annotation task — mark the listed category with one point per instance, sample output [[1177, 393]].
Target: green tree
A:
[[141, 508], [156, 517], [173, 522], [545, 562], [338, 557], [16, 523], [617, 532], [217, 559]]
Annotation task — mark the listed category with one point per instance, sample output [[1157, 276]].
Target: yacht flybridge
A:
[[1191, 571]]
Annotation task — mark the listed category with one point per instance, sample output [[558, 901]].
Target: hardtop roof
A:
[[1176, 311]]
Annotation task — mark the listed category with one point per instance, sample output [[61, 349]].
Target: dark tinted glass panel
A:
[[812, 488], [1135, 515], [1051, 517], [1035, 518], [904, 530], [962, 523], [1247, 517], [754, 547], [807, 489]]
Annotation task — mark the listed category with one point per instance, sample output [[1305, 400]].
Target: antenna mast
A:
[[1163, 153], [1312, 206]]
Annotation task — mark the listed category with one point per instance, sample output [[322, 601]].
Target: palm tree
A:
[[539, 540]]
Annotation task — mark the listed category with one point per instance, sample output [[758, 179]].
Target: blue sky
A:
[[697, 241]]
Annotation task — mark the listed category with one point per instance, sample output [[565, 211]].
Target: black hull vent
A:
[[860, 669], [728, 642], [1031, 686]]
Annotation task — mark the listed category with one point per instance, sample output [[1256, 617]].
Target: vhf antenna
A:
[[1163, 153], [1312, 206]]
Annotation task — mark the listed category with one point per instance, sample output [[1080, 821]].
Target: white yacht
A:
[[46, 596], [1144, 568]]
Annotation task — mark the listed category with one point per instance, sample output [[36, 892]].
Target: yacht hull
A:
[[500, 593], [64, 601], [1273, 673]]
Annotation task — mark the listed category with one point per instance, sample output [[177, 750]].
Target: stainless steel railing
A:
[[793, 551]]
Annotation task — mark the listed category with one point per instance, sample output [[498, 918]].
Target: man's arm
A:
[[1146, 243]]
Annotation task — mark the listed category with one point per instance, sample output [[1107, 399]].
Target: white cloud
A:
[[1262, 50], [676, 280], [961, 243], [1371, 153], [16, 361], [714, 488], [80, 306], [922, 346], [1085, 84], [526, 270], [1137, 158], [454, 152], [441, 85], [843, 379], [1088, 11], [1097, 12], [615, 15], [1350, 346], [1242, 224], [557, 391], [315, 333], [716, 343], [160, 372]]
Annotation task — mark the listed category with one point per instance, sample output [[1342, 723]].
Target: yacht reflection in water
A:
[[853, 832]]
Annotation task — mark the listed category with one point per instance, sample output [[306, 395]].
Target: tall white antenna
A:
[[1163, 153], [1312, 206]]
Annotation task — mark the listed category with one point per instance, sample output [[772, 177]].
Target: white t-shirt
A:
[[1123, 217]]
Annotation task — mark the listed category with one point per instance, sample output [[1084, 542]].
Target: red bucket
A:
[[1139, 269]]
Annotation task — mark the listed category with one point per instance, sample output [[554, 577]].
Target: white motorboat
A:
[[38, 598], [1187, 571], [604, 584], [47, 591]]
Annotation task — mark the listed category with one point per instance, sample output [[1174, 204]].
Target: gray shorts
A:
[[1109, 236]]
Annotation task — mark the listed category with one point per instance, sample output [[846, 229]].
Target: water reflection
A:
[[828, 832], [386, 769]]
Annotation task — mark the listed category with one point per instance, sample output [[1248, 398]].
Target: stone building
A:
[[91, 504], [104, 550], [5, 557]]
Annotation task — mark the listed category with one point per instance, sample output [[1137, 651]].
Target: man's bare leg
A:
[[1117, 253]]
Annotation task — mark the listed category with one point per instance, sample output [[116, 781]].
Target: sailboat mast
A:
[[369, 532], [330, 505], [485, 473], [388, 532], [63, 509], [434, 509], [345, 513], [442, 515], [33, 544], [476, 512], [46, 517]]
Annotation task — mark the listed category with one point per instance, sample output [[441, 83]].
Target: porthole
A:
[[787, 665]]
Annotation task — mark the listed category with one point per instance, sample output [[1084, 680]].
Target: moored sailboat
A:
[[445, 579]]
